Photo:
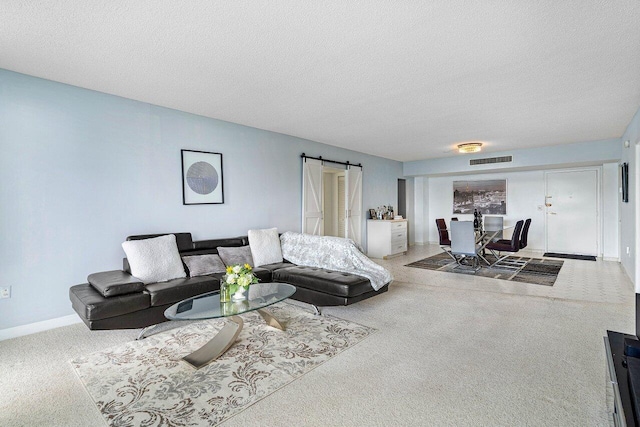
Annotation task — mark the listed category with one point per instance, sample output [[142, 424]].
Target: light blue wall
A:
[[629, 219], [81, 170]]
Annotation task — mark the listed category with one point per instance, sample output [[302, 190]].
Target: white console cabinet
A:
[[386, 237]]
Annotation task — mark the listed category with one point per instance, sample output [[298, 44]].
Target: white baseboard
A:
[[32, 328]]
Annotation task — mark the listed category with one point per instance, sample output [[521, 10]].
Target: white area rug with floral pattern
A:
[[146, 382]]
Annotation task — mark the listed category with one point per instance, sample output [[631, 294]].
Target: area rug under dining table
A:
[[146, 383], [538, 271]]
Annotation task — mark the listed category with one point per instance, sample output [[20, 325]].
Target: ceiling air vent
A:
[[488, 160]]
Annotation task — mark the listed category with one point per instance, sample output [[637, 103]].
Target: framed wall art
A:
[[624, 170], [201, 178], [489, 197]]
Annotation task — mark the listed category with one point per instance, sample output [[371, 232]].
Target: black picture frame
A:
[[624, 170], [202, 178]]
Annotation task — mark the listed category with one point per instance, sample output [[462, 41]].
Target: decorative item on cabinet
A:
[[382, 212]]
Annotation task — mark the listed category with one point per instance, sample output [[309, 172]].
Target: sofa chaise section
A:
[[322, 287]]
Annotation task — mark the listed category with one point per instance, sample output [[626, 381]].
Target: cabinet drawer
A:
[[399, 234], [398, 238], [397, 248], [398, 226]]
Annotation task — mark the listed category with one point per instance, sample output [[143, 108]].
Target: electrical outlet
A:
[[5, 292]]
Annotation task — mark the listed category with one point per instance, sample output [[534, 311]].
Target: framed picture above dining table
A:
[[487, 196]]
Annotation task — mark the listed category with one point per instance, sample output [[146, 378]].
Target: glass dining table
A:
[[484, 237]]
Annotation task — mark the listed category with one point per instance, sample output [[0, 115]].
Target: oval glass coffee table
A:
[[208, 306]]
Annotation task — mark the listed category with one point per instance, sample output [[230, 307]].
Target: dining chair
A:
[[510, 246], [525, 233], [463, 244], [443, 236]]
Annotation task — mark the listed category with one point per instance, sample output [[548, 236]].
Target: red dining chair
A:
[[443, 236], [525, 233], [510, 246]]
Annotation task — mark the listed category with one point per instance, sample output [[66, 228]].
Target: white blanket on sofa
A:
[[332, 253]]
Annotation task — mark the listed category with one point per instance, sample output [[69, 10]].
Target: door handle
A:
[[552, 213]]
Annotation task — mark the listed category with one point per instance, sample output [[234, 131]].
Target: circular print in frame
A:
[[202, 178]]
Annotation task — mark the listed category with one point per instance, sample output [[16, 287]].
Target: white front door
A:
[[572, 212], [353, 197], [312, 222]]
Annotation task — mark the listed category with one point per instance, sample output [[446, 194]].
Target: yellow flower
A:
[[229, 269], [247, 266]]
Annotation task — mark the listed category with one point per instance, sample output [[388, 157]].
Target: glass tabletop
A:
[[208, 306], [496, 234]]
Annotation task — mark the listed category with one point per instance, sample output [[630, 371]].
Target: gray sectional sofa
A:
[[117, 300]]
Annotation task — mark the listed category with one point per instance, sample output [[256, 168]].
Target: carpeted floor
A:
[[450, 350], [143, 382], [536, 271]]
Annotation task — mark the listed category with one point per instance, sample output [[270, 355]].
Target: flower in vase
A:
[[239, 276]]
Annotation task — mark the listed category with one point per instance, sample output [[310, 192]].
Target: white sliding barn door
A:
[[353, 196], [312, 222]]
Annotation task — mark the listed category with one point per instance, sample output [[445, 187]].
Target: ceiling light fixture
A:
[[470, 147]]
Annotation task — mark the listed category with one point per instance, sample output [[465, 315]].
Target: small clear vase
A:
[[224, 292]]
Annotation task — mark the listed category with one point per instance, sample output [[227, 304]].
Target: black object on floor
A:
[[633, 371], [570, 256]]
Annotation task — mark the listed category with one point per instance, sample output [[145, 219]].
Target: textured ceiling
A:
[[404, 80]]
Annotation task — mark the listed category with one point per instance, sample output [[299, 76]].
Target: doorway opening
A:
[[333, 201], [402, 198]]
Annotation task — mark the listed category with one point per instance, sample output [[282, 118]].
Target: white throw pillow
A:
[[154, 260], [265, 246]]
